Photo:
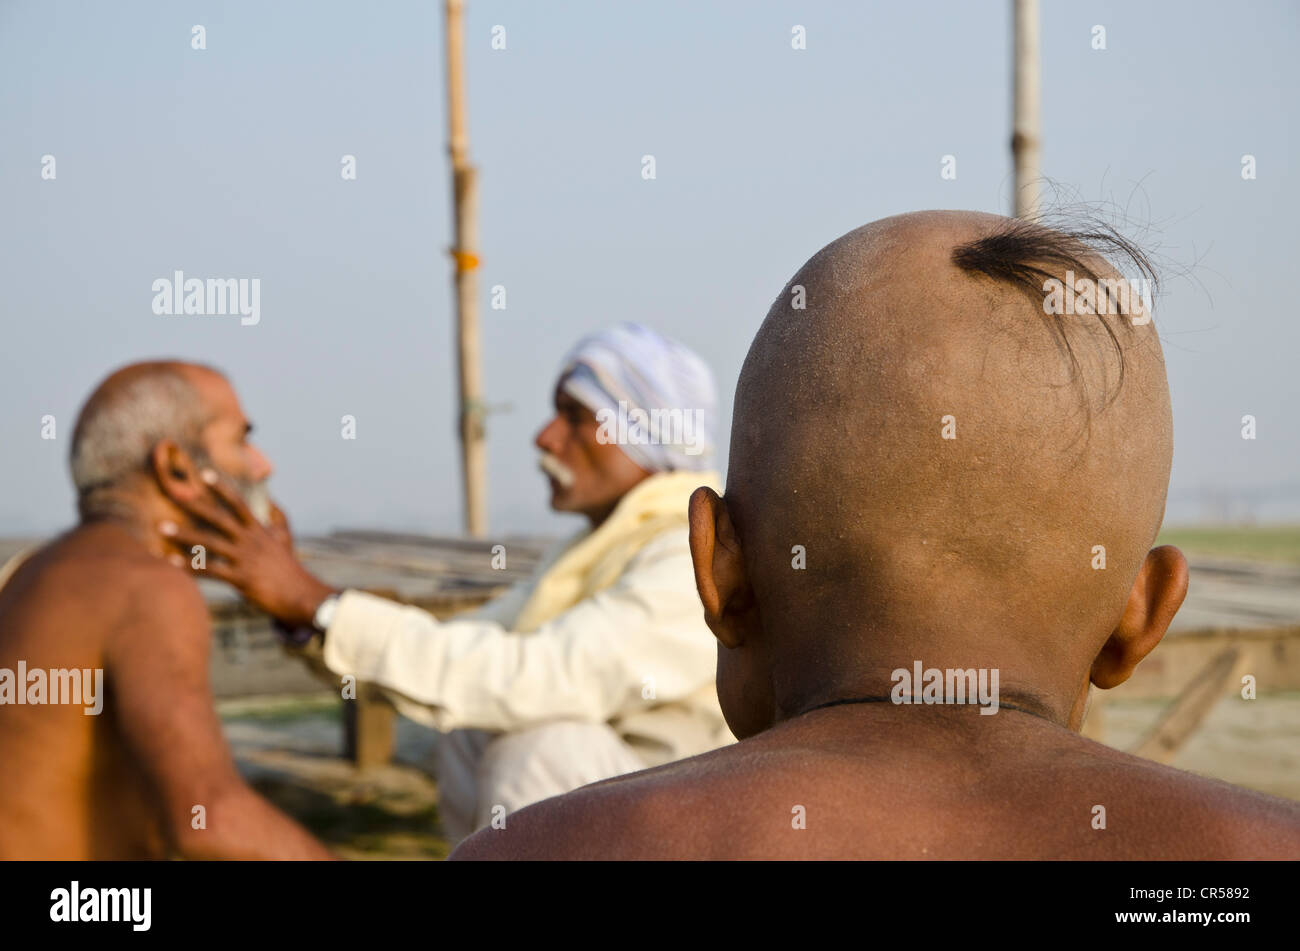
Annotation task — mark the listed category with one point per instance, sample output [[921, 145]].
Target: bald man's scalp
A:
[[838, 439]]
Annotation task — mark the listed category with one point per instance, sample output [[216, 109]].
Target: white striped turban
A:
[[654, 396]]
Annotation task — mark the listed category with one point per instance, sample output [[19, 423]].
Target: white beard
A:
[[258, 499]]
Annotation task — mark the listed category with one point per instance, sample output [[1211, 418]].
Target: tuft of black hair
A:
[[1027, 253]]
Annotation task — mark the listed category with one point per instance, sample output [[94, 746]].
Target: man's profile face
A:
[[598, 474], [225, 440]]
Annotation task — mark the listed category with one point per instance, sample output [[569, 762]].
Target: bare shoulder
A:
[[76, 590], [1204, 818], [681, 810], [603, 821], [163, 608], [88, 565], [154, 584], [95, 592]]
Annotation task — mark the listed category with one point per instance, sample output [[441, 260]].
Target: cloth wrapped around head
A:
[[653, 396]]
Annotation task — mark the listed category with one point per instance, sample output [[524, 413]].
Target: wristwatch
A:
[[300, 637]]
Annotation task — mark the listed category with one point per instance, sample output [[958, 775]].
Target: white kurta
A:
[[635, 658]]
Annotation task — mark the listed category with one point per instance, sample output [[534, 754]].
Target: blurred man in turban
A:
[[601, 663]]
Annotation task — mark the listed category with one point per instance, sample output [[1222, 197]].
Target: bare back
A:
[[850, 783], [123, 784], [71, 789]]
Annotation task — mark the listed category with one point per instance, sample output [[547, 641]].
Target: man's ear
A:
[[720, 576], [175, 471], [1156, 597]]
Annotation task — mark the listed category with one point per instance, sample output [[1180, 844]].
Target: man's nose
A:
[[259, 467], [550, 438]]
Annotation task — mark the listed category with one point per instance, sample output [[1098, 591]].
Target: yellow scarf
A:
[[594, 560]]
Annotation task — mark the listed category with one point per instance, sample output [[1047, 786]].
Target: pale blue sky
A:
[[225, 162]]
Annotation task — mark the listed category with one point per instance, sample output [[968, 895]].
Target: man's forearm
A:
[[242, 825], [464, 673]]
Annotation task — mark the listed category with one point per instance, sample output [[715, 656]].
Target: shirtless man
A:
[[124, 783], [948, 456]]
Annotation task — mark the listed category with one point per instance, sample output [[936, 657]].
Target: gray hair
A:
[[121, 423]]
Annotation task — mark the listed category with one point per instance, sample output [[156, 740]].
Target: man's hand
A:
[[255, 559]]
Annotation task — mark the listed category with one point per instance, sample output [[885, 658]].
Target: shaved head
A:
[[946, 475], [948, 456]]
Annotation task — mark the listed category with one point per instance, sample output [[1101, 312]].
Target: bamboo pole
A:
[[1026, 145], [464, 188]]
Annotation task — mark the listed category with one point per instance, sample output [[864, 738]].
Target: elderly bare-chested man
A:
[[147, 774], [947, 455]]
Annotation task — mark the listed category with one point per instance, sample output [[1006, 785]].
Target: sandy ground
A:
[[289, 751]]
